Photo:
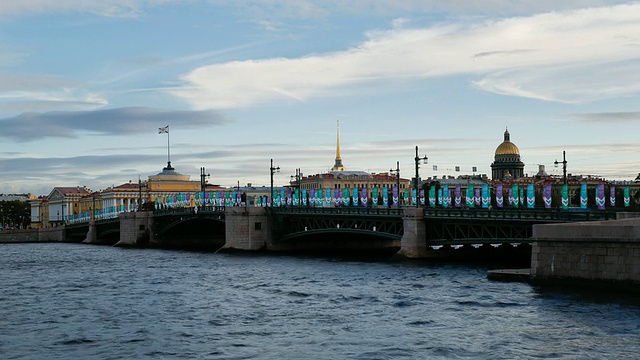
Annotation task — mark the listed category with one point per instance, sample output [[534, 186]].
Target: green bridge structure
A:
[[409, 231]]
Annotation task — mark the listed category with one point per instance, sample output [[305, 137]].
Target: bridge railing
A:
[[521, 214], [337, 210]]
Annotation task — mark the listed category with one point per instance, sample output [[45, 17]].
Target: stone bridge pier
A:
[[413, 244], [247, 228]]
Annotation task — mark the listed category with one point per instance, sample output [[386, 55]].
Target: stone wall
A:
[[246, 228], [18, 236], [607, 251], [135, 228]]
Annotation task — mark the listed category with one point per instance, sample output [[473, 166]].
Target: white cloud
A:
[[570, 56]]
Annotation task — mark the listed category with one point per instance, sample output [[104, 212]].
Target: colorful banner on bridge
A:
[[600, 198], [486, 196], [515, 195], [356, 197], [446, 196], [414, 197], [565, 196], [385, 196], [364, 196], [470, 197], [337, 197], [395, 196], [546, 196], [327, 197], [584, 200], [531, 196], [405, 196], [422, 199], [458, 195], [374, 196], [499, 196], [612, 196], [432, 196], [627, 197]]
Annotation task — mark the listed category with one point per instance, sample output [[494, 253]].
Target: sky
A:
[[85, 85]]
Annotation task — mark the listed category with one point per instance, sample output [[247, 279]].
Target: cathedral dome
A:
[[507, 147]]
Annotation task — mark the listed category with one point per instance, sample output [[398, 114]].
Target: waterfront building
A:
[[55, 207], [507, 164]]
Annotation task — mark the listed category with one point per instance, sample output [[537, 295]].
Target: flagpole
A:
[[168, 150]]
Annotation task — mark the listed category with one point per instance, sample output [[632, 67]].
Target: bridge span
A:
[[414, 232]]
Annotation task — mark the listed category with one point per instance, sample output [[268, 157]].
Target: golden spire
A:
[[338, 164], [338, 142]]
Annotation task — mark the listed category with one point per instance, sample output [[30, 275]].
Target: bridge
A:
[[417, 230]]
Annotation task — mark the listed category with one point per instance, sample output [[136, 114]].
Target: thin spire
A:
[[338, 164], [338, 142]]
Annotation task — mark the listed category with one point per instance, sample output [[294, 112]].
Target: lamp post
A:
[[564, 166], [298, 178], [417, 179], [203, 176], [397, 172], [272, 170]]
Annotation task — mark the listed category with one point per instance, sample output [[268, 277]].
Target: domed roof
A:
[[507, 147]]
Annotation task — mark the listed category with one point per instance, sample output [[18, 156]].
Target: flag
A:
[[531, 196], [432, 196], [446, 195], [627, 197], [355, 196], [385, 196], [565, 196], [395, 196], [612, 196], [364, 198], [546, 196], [470, 198], [458, 200], [583, 196], [346, 196], [163, 130], [515, 195], [486, 196], [374, 196], [600, 199], [499, 196]]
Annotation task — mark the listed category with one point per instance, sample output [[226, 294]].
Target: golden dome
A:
[[507, 147]]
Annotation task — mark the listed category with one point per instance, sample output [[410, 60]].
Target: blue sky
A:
[[85, 85]]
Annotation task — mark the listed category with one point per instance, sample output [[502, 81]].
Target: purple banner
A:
[[336, 197], [612, 196], [600, 200], [395, 196], [546, 196], [364, 196], [499, 196], [458, 199], [477, 196]]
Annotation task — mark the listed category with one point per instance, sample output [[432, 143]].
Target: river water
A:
[[73, 301]]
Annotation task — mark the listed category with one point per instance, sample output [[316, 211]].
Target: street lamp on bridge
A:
[[397, 172], [417, 181], [564, 166], [298, 178], [272, 171]]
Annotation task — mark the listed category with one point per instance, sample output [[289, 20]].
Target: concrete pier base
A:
[[413, 244], [246, 228], [135, 228]]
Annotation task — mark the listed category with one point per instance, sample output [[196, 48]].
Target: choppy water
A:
[[70, 301]]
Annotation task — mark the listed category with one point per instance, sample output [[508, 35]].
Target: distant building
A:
[[339, 177], [507, 164]]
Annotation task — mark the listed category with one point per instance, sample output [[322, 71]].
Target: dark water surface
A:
[[71, 301]]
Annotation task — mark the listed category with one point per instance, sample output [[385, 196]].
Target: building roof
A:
[[507, 147]]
